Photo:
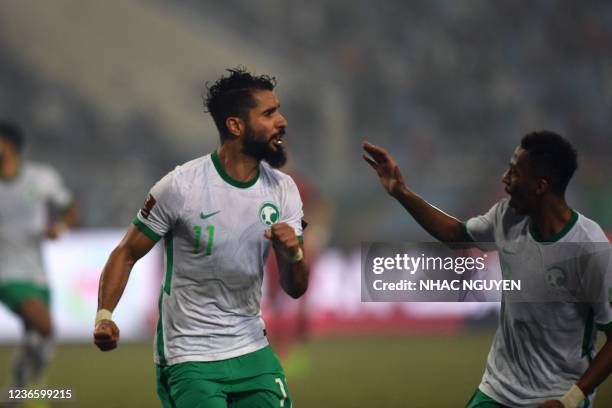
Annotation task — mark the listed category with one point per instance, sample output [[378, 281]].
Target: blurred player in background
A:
[[34, 204], [219, 215], [543, 352]]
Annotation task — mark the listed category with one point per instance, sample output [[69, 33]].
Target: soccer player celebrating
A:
[[219, 215], [27, 190], [543, 353]]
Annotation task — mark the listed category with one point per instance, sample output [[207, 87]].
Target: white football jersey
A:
[[24, 211], [213, 228], [542, 347]]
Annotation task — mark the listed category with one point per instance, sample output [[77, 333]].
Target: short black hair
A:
[[551, 156], [11, 132], [232, 95]]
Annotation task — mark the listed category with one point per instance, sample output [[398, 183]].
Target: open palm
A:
[[386, 167]]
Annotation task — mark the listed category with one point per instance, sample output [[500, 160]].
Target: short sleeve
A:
[[57, 193], [482, 227], [292, 212], [161, 208]]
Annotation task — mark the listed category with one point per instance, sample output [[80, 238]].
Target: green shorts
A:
[[482, 400], [253, 380], [14, 294]]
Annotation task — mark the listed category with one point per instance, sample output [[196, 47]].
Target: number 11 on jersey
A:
[[198, 237]]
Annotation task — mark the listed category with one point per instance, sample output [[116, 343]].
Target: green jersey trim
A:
[[227, 178], [536, 235], [169, 241], [587, 345], [146, 230], [604, 327], [160, 330], [300, 239], [465, 230]]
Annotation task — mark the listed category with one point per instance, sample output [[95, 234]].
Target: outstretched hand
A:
[[386, 167]]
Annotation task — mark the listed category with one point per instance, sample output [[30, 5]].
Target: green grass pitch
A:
[[410, 371]]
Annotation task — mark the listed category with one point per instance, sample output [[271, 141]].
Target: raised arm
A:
[[114, 277], [440, 225]]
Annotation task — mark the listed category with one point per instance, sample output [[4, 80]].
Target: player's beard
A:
[[260, 148]]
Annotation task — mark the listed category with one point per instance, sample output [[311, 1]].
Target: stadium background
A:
[[110, 94]]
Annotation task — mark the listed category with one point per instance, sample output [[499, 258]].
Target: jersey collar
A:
[[570, 224], [227, 178]]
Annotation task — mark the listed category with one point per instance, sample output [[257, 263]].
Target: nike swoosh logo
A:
[[205, 216]]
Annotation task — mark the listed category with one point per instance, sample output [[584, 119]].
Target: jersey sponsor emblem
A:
[[205, 216], [148, 206], [268, 214]]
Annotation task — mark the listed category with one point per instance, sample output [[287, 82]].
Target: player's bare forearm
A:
[[114, 278], [435, 221], [116, 272], [440, 225], [293, 276], [599, 369], [290, 259], [112, 283]]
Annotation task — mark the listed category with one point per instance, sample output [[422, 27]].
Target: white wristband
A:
[[299, 255], [103, 314], [573, 397]]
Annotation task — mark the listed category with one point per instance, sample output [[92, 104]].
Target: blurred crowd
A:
[[448, 87]]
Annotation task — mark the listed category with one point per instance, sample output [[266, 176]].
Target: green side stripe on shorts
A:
[[146, 230]]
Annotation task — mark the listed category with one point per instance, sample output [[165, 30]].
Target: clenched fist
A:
[[284, 239], [106, 335]]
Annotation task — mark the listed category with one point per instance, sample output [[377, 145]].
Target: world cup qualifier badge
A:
[[269, 214], [149, 203]]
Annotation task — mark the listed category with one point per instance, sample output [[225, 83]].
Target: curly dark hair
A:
[[551, 156], [232, 95], [12, 132]]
